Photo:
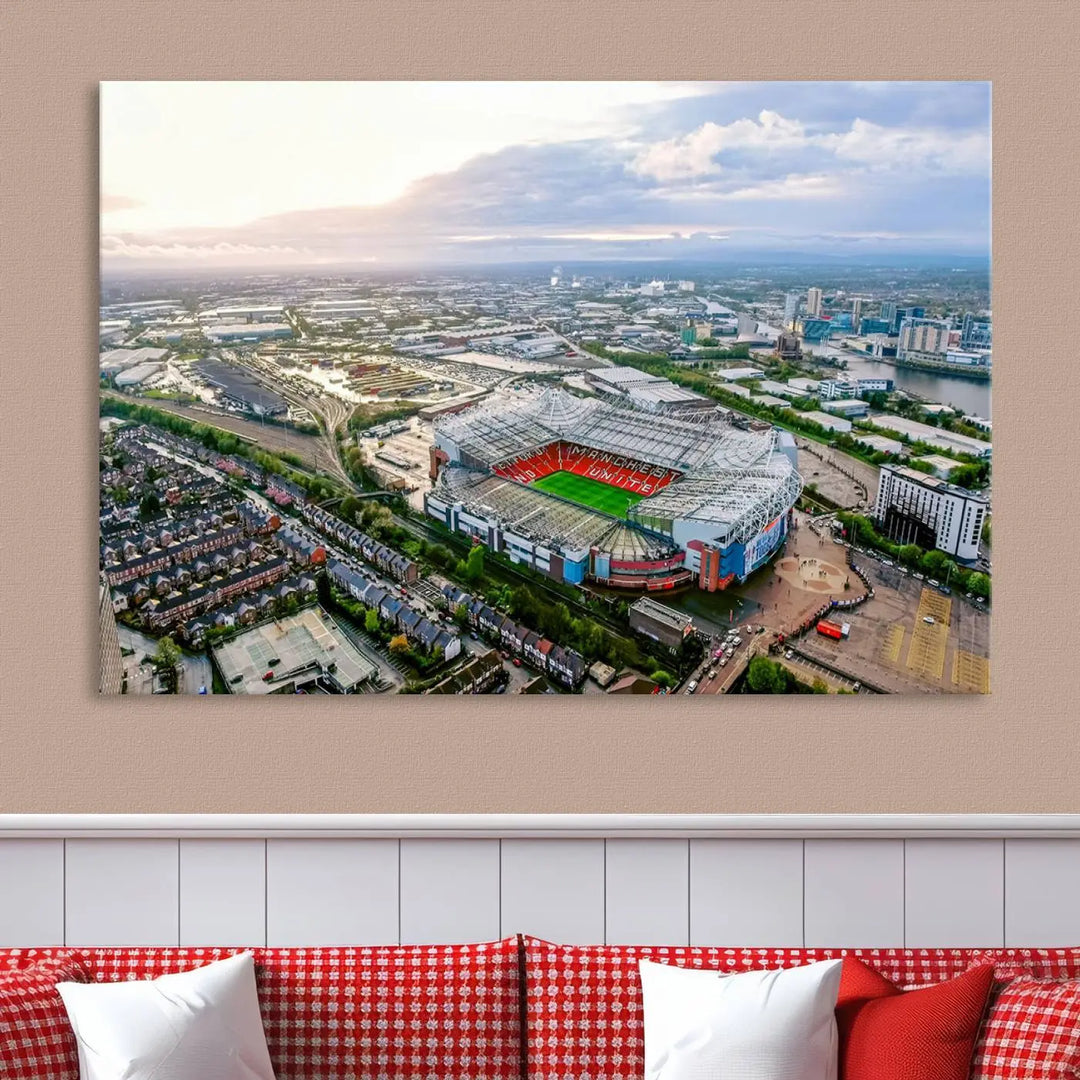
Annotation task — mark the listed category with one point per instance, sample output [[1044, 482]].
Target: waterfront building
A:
[[916, 508]]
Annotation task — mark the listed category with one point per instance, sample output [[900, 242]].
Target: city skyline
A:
[[398, 173]]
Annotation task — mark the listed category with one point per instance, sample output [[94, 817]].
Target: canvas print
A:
[[545, 388]]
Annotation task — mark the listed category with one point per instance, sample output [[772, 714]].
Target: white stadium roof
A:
[[736, 480]]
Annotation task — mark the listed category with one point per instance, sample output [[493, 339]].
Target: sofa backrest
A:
[[583, 1018], [439, 1012]]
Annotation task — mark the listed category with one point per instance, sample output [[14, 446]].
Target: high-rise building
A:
[[813, 301], [788, 348], [914, 508], [791, 309], [111, 675], [856, 314], [927, 337], [888, 312], [975, 333]]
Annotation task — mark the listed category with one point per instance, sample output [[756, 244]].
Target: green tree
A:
[[933, 563], [910, 554], [166, 662], [765, 676], [149, 506], [474, 564], [371, 621], [979, 585]]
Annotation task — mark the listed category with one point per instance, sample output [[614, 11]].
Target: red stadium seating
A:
[[621, 472]]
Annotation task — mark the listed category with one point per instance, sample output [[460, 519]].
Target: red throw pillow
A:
[[891, 1034], [36, 1038], [1031, 1033]]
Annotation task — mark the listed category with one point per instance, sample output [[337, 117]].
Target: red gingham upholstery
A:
[[1032, 1032], [36, 1039], [1030, 963], [410, 1012], [584, 1017]]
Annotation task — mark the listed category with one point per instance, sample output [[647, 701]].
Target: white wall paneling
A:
[[554, 889], [755, 880], [222, 892], [647, 892], [122, 892], [332, 892], [32, 892], [1042, 892], [854, 893], [954, 893], [449, 891], [746, 892]]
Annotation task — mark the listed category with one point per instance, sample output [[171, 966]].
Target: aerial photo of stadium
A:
[[580, 488]]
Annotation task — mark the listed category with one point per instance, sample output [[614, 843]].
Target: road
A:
[[272, 437], [329, 411]]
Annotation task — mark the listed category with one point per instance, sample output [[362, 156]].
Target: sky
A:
[[307, 174]]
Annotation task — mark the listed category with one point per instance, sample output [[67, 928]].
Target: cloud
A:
[[706, 150], [793, 186], [769, 181], [695, 154], [117, 247], [111, 203], [921, 148]]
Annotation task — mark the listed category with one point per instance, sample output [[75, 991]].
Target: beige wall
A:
[[62, 749]]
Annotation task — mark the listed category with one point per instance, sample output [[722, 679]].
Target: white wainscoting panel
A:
[[746, 892], [354, 879], [449, 891], [31, 892], [954, 893], [554, 889], [122, 892], [332, 892], [646, 892], [222, 892], [854, 893], [1042, 892]]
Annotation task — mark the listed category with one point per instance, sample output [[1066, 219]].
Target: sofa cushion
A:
[[438, 1012], [36, 1039], [203, 1022], [887, 1034], [1030, 963], [583, 1002], [1032, 1032]]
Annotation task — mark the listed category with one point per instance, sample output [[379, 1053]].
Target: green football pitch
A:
[[591, 493]]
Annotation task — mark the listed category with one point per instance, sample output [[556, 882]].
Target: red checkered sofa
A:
[[584, 1021], [527, 1009], [444, 1012]]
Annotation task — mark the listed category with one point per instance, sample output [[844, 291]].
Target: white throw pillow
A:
[[756, 1025], [197, 1025]]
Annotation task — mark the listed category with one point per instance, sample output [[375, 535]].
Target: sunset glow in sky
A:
[[285, 173]]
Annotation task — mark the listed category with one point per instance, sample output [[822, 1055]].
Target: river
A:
[[971, 396]]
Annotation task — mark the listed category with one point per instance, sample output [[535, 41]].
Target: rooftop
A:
[[304, 646]]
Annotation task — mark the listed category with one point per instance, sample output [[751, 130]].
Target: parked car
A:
[[928, 619]]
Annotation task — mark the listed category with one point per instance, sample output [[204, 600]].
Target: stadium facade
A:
[[706, 501]]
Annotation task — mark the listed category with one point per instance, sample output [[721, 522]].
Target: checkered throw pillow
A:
[[584, 1018], [408, 1012], [1032, 1032], [36, 1038]]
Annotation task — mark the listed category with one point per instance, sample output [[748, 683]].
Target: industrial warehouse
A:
[[582, 488]]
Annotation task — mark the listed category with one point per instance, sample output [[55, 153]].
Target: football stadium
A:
[[582, 488]]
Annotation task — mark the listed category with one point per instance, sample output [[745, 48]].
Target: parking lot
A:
[[412, 446], [911, 637]]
